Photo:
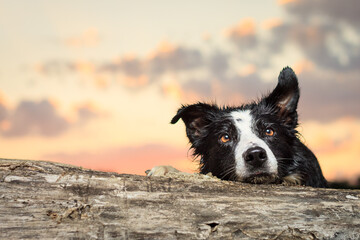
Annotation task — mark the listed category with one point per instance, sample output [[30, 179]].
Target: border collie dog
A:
[[255, 142]]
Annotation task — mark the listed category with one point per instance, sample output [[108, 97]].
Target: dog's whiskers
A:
[[227, 172]]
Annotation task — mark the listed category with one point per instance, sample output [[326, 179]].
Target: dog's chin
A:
[[261, 178]]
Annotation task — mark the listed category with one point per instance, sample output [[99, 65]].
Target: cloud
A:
[[325, 55], [218, 63], [334, 10], [178, 58], [128, 159], [88, 38], [283, 2], [40, 118], [328, 68], [166, 58], [128, 65], [233, 89], [3, 112], [323, 44], [88, 111], [54, 67], [329, 96], [326, 31], [130, 71], [60, 67], [243, 35], [268, 24]]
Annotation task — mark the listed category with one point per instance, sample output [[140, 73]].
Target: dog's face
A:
[[251, 143]]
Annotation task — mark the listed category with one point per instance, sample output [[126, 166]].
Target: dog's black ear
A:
[[285, 96], [196, 117]]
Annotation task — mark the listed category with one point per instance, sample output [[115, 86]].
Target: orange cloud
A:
[[177, 92], [272, 23], [206, 37], [88, 38], [86, 68], [83, 112], [132, 81], [245, 27], [247, 70], [283, 2], [173, 90], [5, 125], [314, 35], [39, 68], [163, 49], [2, 99], [101, 82], [302, 66]]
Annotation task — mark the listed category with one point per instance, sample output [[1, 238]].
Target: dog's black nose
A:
[[255, 156]]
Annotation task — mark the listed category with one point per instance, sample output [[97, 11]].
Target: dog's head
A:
[[251, 143]]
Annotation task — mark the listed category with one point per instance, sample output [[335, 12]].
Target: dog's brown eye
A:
[[225, 138], [269, 132]]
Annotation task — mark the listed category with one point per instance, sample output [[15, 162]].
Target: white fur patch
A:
[[248, 139], [293, 179]]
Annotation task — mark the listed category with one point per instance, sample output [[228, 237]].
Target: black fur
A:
[[207, 123]]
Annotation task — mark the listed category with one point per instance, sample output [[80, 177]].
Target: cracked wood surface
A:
[[43, 200]]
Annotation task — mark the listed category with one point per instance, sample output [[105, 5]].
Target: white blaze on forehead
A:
[[248, 139]]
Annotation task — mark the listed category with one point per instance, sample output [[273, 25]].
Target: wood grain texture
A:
[[43, 200]]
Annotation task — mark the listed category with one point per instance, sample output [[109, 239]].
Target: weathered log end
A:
[[43, 200]]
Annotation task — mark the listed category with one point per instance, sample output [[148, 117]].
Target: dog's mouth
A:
[[261, 177]]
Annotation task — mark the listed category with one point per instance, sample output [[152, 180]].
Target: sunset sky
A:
[[96, 83]]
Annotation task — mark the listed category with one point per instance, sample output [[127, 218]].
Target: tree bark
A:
[[43, 200]]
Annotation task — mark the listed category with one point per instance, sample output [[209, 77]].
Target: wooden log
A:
[[43, 200]]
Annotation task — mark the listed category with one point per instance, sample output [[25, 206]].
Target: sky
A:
[[95, 84]]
